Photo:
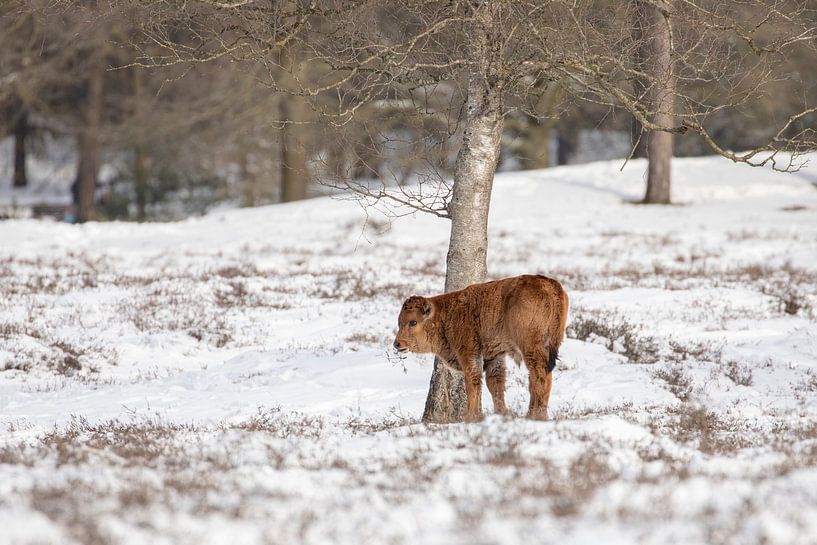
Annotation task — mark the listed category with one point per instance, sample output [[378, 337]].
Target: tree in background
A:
[[729, 71], [64, 72], [29, 72], [653, 57], [56, 75]]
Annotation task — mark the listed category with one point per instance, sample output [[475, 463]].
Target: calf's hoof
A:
[[476, 417], [502, 411], [538, 414]]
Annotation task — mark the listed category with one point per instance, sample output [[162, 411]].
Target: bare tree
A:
[[294, 175], [89, 140], [29, 66], [477, 61], [55, 73]]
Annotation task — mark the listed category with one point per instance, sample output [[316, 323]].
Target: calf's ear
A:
[[407, 302], [427, 310]]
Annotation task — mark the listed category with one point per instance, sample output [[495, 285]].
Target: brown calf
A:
[[472, 330]]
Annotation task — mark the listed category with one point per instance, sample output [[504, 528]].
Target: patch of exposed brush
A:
[[739, 373], [274, 421], [35, 349], [676, 380], [360, 425], [145, 443], [616, 333], [178, 307], [708, 351]]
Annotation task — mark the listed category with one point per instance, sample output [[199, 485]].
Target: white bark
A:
[[473, 181], [470, 202]]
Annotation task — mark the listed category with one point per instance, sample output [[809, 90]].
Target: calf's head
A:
[[413, 331]]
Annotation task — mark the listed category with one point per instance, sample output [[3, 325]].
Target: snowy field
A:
[[226, 379]]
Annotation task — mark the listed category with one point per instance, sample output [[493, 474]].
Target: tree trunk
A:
[[294, 176], [658, 175], [139, 173], [567, 140], [535, 151], [140, 180], [89, 143], [470, 202], [21, 131], [247, 180], [657, 48]]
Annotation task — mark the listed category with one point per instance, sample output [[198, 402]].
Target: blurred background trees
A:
[[136, 143], [116, 92]]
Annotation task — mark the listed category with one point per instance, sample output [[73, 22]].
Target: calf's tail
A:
[[556, 340], [553, 355]]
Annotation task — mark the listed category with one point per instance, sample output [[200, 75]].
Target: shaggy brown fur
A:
[[472, 331]]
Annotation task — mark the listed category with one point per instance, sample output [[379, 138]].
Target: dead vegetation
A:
[[676, 380], [365, 338], [738, 373], [275, 422], [168, 295], [616, 333], [358, 425], [33, 348], [297, 461], [791, 287]]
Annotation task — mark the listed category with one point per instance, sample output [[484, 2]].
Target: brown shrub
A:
[[678, 382], [620, 335]]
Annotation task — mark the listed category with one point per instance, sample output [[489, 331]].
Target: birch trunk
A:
[[470, 202]]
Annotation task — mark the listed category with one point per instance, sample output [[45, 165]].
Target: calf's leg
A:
[[539, 382], [495, 378], [548, 384], [472, 374]]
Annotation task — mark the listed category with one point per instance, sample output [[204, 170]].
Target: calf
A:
[[472, 330]]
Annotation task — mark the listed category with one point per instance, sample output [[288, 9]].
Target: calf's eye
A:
[[412, 323]]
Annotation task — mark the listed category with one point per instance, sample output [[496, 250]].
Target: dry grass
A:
[[169, 296], [709, 351], [69, 505], [142, 443], [794, 208], [571, 491], [63, 357], [738, 373], [676, 380], [364, 338], [568, 412], [617, 334], [283, 464], [275, 422], [359, 425], [178, 308]]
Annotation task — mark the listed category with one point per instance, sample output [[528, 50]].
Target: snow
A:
[[50, 174], [228, 378]]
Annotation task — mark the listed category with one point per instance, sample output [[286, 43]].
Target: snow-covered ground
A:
[[227, 379]]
